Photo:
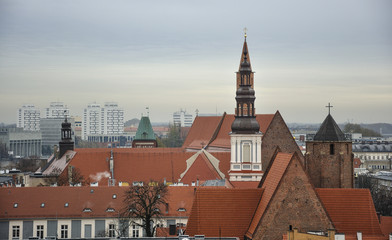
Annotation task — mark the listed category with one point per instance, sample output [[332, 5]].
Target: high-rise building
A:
[[107, 120], [182, 118], [28, 118], [57, 110]]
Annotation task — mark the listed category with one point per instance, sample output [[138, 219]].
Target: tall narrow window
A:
[[64, 231], [331, 149], [246, 153], [112, 230], [40, 231], [135, 231], [15, 232]]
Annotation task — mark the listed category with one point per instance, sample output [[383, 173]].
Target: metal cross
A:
[[329, 108]]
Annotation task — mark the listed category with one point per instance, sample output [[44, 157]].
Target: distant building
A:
[[57, 110], [28, 118], [21, 143], [182, 118], [51, 133], [375, 156], [105, 121]]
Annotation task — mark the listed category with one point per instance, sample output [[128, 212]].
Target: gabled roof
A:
[[214, 131], [269, 183], [351, 210], [131, 164], [56, 166], [201, 132], [144, 131], [200, 167], [98, 199], [218, 212], [329, 131]]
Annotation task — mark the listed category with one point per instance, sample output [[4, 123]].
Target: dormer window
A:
[[110, 210], [66, 204], [181, 210], [114, 196], [42, 205], [87, 210], [15, 205]]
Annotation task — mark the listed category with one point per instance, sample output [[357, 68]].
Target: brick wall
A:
[[295, 203]]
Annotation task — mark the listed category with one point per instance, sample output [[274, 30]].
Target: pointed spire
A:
[[329, 131]]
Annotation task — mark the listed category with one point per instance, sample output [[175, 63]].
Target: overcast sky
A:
[[168, 55]]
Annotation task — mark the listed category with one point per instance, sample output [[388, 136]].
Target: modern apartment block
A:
[[28, 117], [106, 120], [57, 110], [182, 118]]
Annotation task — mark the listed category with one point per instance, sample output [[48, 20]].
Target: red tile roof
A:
[[201, 170], [351, 210], [201, 132], [222, 212], [247, 184], [98, 199], [215, 131], [270, 184], [386, 225], [131, 164]]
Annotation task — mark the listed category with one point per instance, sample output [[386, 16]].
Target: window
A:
[[246, 153], [331, 149], [112, 230], [15, 231], [64, 231], [135, 231], [40, 231]]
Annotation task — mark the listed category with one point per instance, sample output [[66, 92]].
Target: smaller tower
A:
[[145, 137], [245, 136], [329, 158], [66, 142]]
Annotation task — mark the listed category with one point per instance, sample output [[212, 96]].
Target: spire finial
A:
[[245, 30], [329, 108]]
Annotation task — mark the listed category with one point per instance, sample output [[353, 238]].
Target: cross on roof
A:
[[329, 108]]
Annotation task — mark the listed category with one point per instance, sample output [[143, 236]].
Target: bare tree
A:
[[145, 203]]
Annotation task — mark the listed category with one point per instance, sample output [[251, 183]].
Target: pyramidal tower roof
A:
[[329, 131], [144, 130]]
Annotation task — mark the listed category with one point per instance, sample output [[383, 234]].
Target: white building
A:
[[107, 120], [28, 117], [57, 110], [182, 118]]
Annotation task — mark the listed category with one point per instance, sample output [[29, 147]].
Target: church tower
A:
[[66, 142], [329, 158], [245, 130]]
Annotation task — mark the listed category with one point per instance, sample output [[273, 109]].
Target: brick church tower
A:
[[66, 142], [329, 158], [245, 136]]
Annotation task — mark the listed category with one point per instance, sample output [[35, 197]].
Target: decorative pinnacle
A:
[[329, 108], [245, 30]]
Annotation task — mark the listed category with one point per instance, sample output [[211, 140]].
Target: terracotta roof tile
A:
[[386, 225], [201, 131], [208, 130], [270, 184], [98, 199], [131, 164], [201, 169], [351, 210], [247, 184], [213, 215]]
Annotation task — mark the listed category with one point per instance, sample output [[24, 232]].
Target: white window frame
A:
[[64, 231], [40, 231], [135, 231], [16, 231], [112, 230]]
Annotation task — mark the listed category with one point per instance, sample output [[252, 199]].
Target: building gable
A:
[[289, 199], [277, 135]]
